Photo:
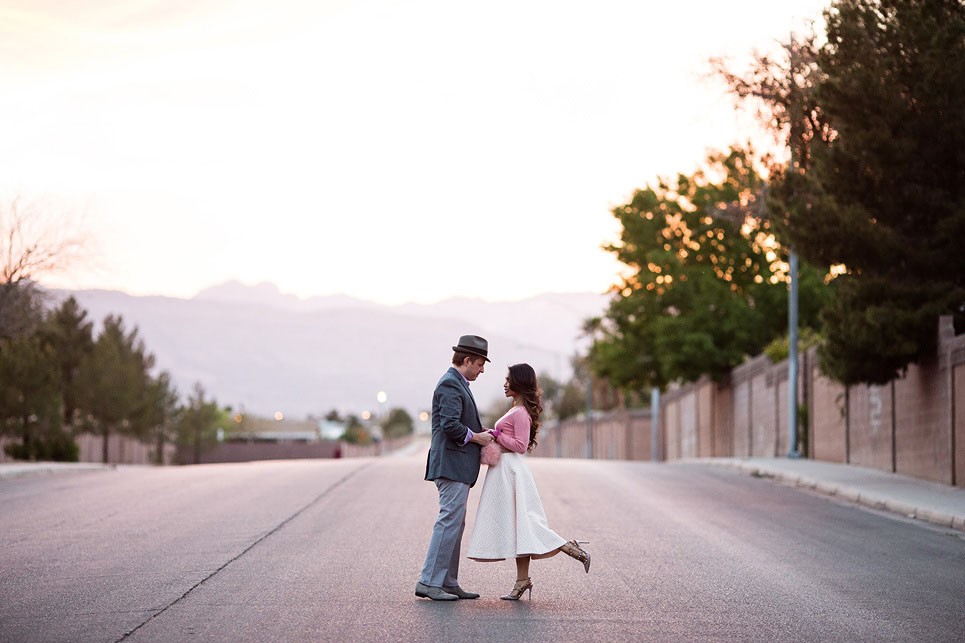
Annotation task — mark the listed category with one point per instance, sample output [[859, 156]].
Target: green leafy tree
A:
[[551, 388], [113, 382], [556, 396], [706, 285], [355, 431], [397, 424]]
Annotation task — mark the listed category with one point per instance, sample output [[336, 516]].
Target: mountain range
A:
[[259, 350]]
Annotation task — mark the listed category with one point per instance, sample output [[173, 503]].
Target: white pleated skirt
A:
[[510, 521]]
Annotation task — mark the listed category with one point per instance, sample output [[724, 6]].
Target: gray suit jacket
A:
[[453, 409]]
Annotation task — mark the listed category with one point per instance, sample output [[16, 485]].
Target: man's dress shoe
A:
[[435, 593]]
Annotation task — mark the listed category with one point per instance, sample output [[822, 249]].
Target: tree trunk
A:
[[107, 435], [25, 437]]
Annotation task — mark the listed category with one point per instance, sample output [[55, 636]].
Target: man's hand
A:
[[482, 439]]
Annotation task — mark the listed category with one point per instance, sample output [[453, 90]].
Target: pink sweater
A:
[[512, 430]]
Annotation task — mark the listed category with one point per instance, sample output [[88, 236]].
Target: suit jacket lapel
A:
[[465, 385]]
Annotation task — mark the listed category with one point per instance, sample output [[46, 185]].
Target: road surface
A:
[[330, 550]]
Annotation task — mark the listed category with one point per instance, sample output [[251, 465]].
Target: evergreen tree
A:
[[877, 120], [30, 400], [112, 383], [197, 425], [162, 414], [889, 190], [21, 309], [70, 334]]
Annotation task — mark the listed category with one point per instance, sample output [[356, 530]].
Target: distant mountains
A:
[[256, 348]]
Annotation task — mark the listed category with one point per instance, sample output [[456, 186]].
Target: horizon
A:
[[277, 290], [272, 355]]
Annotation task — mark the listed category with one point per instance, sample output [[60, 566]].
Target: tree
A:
[[30, 400], [113, 382], [878, 188], [32, 244], [397, 424], [554, 393], [197, 425], [70, 334], [782, 87], [355, 431], [707, 280], [886, 196], [21, 309], [162, 413]]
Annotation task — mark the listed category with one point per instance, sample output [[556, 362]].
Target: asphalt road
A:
[[331, 550]]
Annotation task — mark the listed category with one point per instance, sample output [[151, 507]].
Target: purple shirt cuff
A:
[[468, 437]]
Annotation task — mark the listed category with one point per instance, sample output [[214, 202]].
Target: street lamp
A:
[[382, 397]]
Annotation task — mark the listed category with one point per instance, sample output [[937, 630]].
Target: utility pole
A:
[[589, 417], [792, 359], [655, 424], [792, 299]]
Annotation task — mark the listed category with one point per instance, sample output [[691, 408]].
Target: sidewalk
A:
[[911, 497], [21, 469]]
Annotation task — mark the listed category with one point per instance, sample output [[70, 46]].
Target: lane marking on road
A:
[[277, 527]]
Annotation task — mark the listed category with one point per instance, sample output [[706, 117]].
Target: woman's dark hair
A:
[[522, 380]]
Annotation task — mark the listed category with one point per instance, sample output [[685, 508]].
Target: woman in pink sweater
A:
[[510, 521]]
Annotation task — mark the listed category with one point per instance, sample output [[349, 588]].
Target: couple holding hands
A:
[[510, 521]]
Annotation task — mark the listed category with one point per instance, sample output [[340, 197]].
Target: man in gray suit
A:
[[453, 464]]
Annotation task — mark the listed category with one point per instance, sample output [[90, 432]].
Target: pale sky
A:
[[393, 150]]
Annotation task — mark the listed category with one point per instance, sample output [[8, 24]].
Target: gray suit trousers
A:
[[442, 561]]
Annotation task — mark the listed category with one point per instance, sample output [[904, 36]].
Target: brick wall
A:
[[722, 421], [869, 414], [613, 436], [827, 416], [914, 425]]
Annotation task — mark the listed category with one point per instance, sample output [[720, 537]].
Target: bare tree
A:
[[33, 242], [780, 88]]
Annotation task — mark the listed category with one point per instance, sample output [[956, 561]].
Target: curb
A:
[[852, 494]]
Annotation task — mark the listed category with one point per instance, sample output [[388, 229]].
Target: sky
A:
[[392, 150]]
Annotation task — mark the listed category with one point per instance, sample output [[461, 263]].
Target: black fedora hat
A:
[[474, 345]]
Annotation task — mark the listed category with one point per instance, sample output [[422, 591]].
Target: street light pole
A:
[[589, 417], [792, 299], [655, 424], [792, 358]]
